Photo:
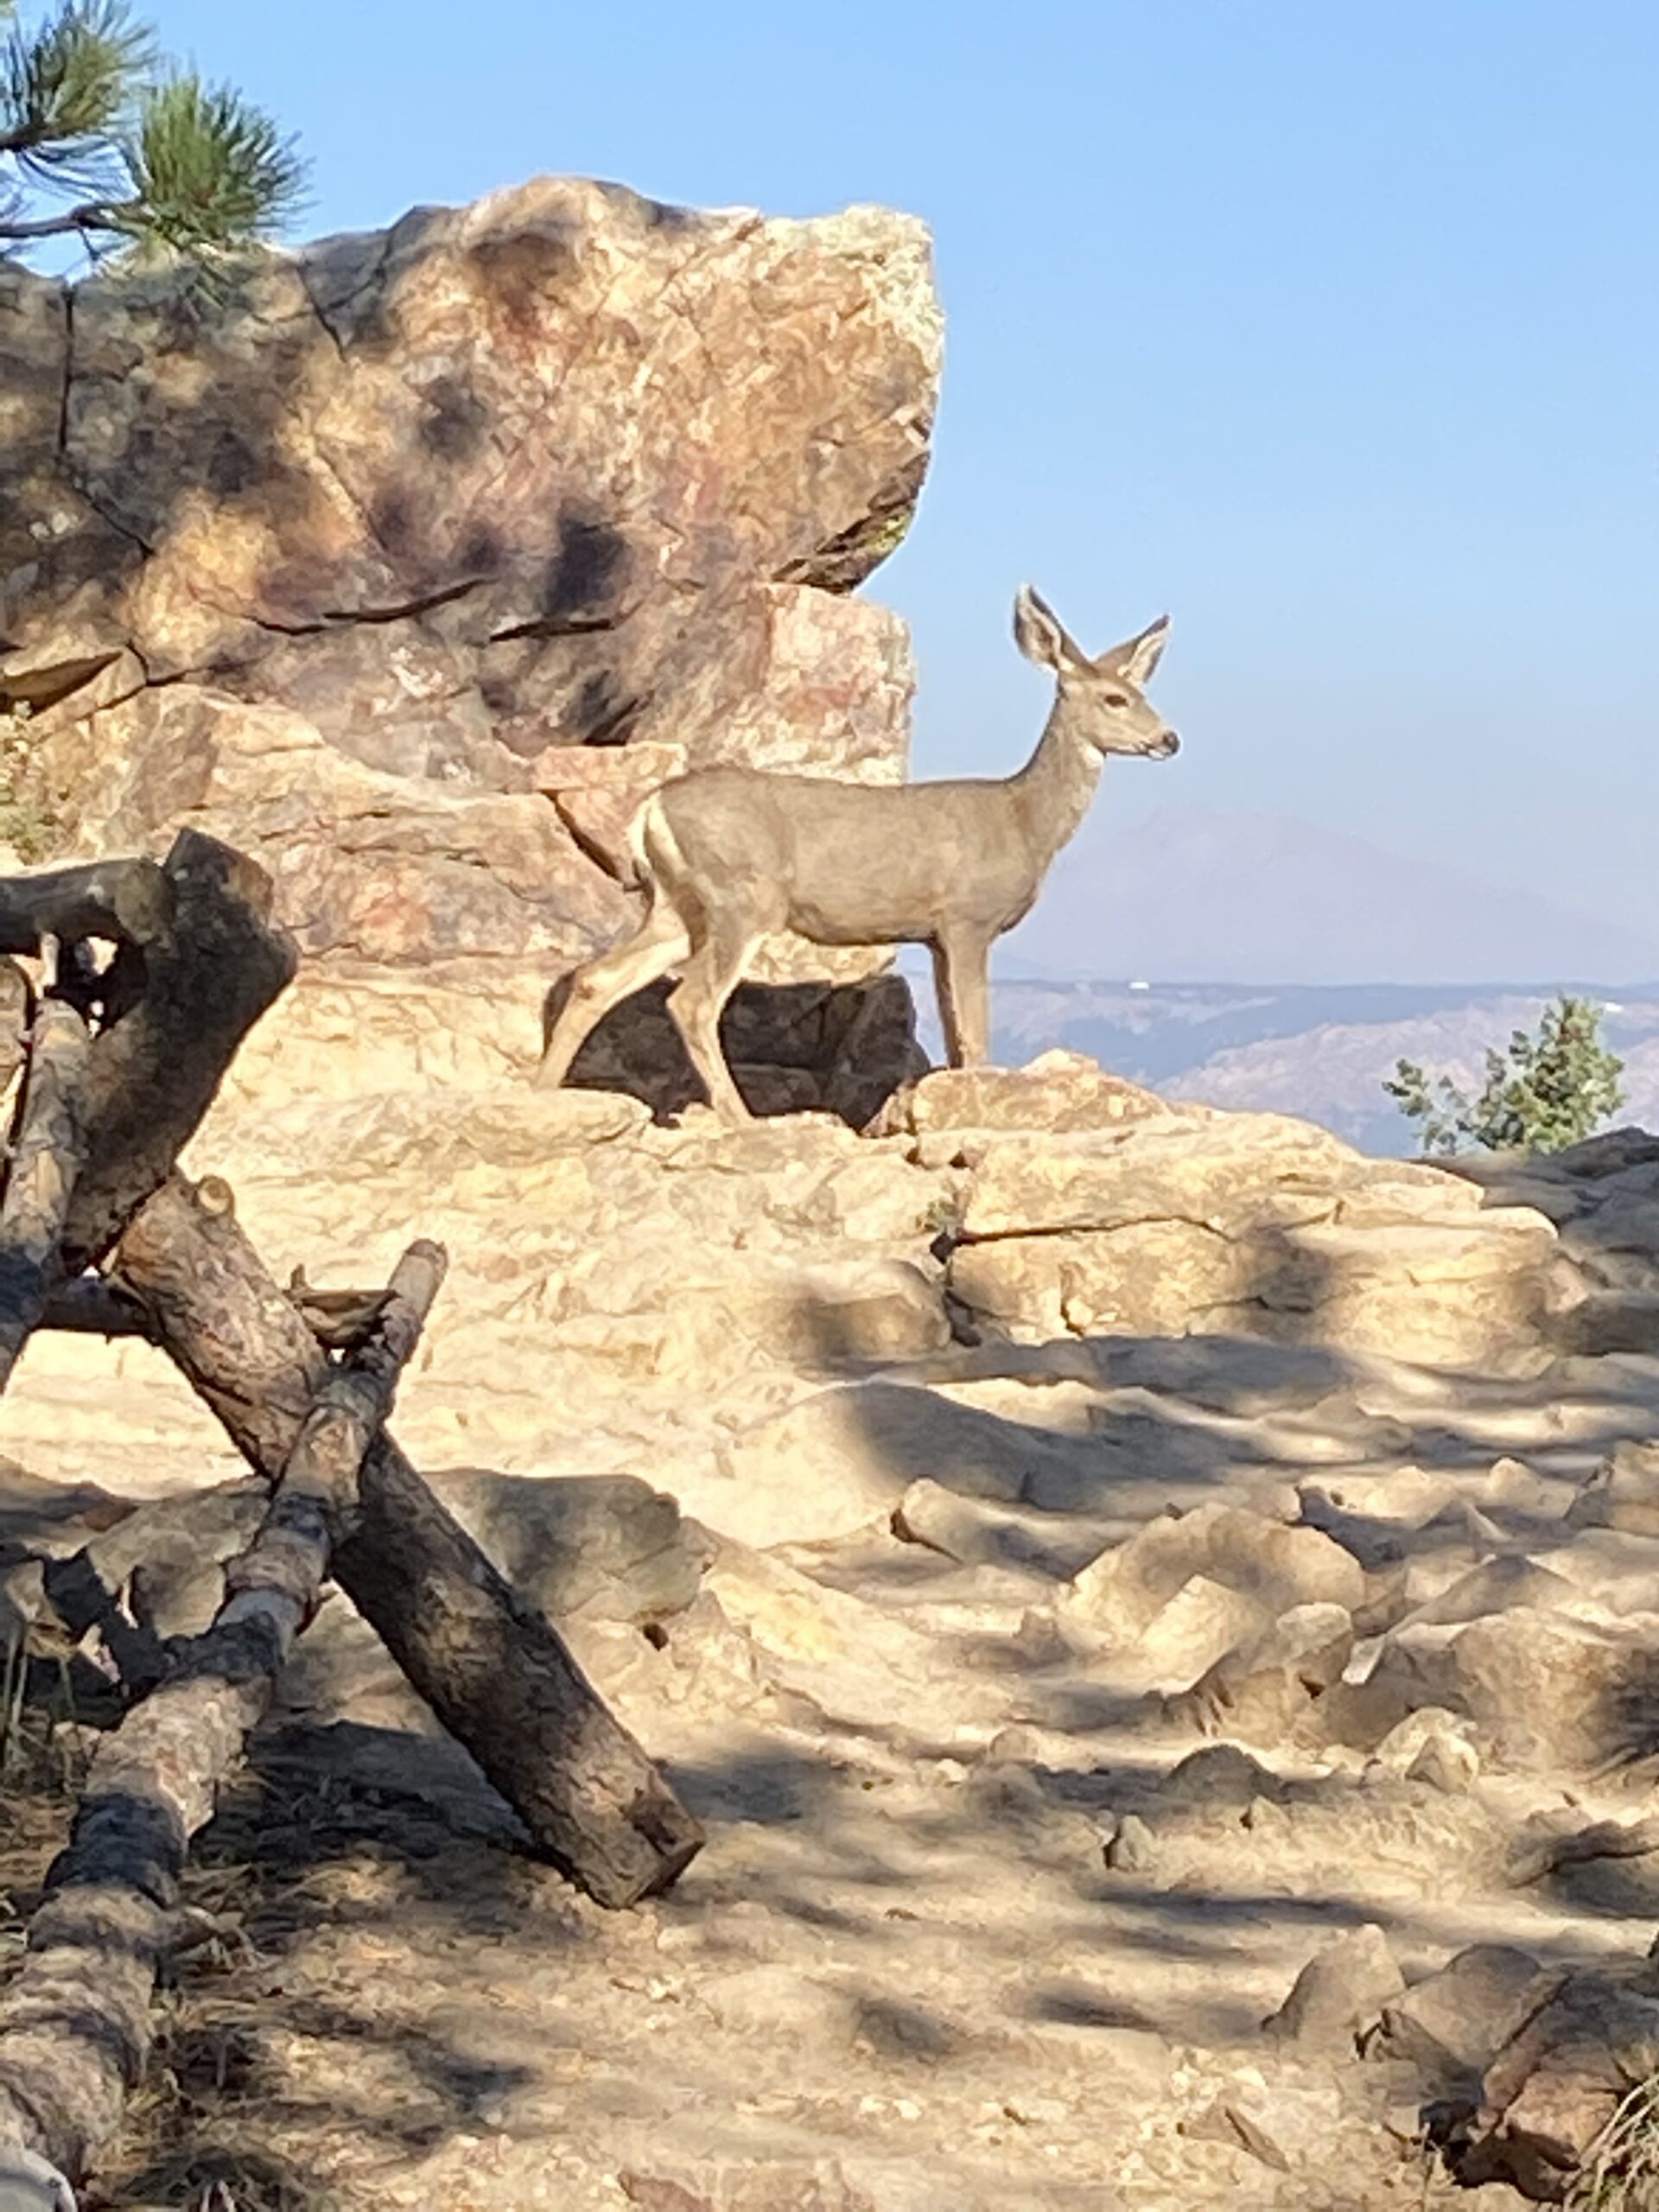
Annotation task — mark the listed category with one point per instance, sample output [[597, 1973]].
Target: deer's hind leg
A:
[[720, 955], [660, 942]]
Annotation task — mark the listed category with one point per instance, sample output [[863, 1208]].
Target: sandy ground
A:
[[903, 1975]]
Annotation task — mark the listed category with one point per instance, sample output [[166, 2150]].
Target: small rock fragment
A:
[[1401, 1748], [1121, 1591], [1284, 2127], [1494, 1586], [1219, 1776], [1450, 2027], [1133, 1849], [1447, 1762], [973, 1531], [1341, 1990], [1185, 1641], [1623, 1493], [1264, 1690], [1559, 2077], [1511, 1486], [1546, 1689]]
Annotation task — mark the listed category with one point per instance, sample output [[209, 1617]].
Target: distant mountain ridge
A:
[[1203, 892], [1317, 1051]]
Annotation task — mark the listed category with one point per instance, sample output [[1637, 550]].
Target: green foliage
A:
[[207, 169], [26, 821], [150, 159], [1547, 1091]]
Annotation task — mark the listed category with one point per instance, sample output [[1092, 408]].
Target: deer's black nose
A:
[[1172, 743]]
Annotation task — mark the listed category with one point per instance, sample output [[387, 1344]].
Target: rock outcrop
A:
[[412, 562], [1119, 1214], [1603, 1197]]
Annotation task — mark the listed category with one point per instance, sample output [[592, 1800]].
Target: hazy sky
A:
[[1332, 326]]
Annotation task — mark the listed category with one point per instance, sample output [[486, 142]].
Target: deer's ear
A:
[[1141, 655], [1038, 631]]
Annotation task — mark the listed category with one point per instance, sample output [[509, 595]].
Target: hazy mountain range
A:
[[1232, 896], [1373, 957], [1321, 1052]]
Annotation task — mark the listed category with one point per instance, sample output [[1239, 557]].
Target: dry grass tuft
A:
[[1620, 2172]]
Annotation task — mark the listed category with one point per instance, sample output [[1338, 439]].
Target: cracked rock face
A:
[[563, 471]]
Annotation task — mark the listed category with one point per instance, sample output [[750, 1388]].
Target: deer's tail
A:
[[645, 823]]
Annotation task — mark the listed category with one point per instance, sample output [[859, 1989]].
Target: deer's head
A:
[[1107, 695]]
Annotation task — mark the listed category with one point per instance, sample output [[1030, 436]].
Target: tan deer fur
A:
[[729, 856]]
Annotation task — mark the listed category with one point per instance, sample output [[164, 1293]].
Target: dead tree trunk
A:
[[212, 965], [46, 1161], [103, 1122], [75, 2021], [492, 1670]]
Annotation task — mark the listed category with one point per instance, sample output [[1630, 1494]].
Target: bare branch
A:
[[93, 215]]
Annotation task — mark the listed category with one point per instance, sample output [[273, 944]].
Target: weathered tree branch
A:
[[95, 1305], [130, 902], [93, 216], [212, 965], [492, 1670], [75, 2021], [46, 1161]]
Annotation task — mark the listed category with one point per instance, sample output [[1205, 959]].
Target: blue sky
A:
[[1332, 326]]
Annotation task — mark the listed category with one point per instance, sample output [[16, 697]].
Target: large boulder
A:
[[339, 561], [1113, 1215]]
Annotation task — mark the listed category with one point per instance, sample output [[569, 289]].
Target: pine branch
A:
[[209, 169], [168, 163], [64, 88]]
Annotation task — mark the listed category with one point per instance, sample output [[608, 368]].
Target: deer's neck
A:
[[1053, 789]]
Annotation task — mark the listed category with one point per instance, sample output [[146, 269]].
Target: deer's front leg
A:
[[962, 971]]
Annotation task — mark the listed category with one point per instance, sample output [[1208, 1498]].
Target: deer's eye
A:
[[1117, 699]]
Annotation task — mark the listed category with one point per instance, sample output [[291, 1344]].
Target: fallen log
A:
[[492, 1670], [46, 1161], [75, 2021]]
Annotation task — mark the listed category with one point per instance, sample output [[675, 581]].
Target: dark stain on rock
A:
[[664, 215], [602, 715], [230, 466], [480, 551], [392, 522], [454, 422], [523, 273], [587, 567], [500, 694]]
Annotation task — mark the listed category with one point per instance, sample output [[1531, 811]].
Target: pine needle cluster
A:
[[105, 143]]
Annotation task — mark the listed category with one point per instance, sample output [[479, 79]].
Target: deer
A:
[[728, 856]]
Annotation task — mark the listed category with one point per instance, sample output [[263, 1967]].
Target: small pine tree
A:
[[103, 142], [1547, 1091]]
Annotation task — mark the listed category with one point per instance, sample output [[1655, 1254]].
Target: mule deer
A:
[[729, 856]]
